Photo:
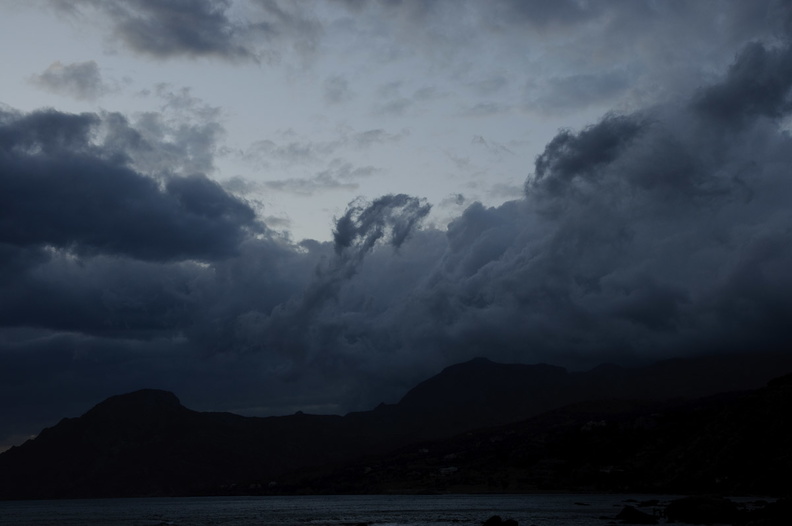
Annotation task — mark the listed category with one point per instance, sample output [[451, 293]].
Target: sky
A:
[[268, 206]]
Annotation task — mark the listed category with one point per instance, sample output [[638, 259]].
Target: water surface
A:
[[391, 510]]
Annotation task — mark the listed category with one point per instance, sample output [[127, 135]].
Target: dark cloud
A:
[[113, 279], [573, 156], [393, 217], [203, 28], [175, 28], [759, 83], [179, 27], [304, 330], [105, 297], [61, 190], [648, 234], [81, 80]]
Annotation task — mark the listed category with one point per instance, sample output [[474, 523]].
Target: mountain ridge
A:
[[146, 443]]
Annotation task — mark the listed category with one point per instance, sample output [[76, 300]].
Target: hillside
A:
[[598, 429]]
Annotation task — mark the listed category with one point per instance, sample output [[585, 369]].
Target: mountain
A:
[[147, 444], [730, 444], [481, 393]]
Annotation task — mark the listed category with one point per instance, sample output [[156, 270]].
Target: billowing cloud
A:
[[181, 138], [111, 276], [661, 228], [81, 80], [759, 83], [61, 190], [644, 235], [394, 217]]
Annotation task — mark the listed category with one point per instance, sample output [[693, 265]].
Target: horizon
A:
[[298, 206]]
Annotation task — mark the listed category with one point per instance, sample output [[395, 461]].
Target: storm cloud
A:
[[645, 235], [59, 190], [661, 227]]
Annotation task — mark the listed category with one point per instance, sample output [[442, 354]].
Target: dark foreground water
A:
[[395, 510]]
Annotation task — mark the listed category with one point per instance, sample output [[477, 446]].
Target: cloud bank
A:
[[658, 230]]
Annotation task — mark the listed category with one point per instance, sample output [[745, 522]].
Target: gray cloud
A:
[[572, 92], [337, 90], [345, 170], [176, 28], [295, 151], [569, 156], [321, 182], [490, 85], [61, 190], [300, 329], [179, 139], [81, 80], [393, 217], [485, 109], [542, 13], [338, 175], [391, 101], [203, 28], [759, 83], [368, 138]]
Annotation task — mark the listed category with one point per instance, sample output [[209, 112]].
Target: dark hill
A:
[[481, 393], [147, 443], [729, 444]]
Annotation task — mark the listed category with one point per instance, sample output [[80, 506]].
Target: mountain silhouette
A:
[[146, 443], [730, 444]]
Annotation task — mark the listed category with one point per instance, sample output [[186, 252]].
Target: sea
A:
[[347, 510]]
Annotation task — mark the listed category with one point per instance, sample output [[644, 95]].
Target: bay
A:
[[387, 510]]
